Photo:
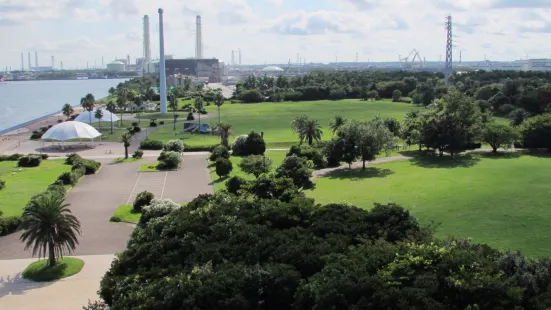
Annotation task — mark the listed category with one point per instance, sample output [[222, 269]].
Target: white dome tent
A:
[[70, 130], [84, 116]]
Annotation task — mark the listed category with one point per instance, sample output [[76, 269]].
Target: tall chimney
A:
[[30, 64], [146, 40], [22, 63], [162, 70], [198, 39], [239, 56], [36, 59]]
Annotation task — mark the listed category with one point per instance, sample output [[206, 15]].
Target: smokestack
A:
[[146, 40], [239, 57], [198, 39], [162, 70], [22, 63], [29, 61], [36, 59]]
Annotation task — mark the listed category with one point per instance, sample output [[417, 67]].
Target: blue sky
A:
[[273, 31]]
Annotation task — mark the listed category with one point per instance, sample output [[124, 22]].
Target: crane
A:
[[416, 56]]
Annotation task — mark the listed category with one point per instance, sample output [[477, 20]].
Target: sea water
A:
[[23, 101]]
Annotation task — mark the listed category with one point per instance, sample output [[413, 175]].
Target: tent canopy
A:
[[84, 116], [71, 130]]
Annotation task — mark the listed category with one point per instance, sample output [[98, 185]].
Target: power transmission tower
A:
[[448, 71]]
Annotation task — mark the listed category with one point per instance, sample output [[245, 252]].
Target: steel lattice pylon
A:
[[449, 45]]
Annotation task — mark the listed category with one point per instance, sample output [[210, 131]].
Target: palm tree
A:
[[218, 101], [173, 104], [87, 102], [224, 130], [312, 131], [138, 101], [111, 107], [198, 104], [99, 116], [297, 124], [121, 104], [67, 110], [49, 226], [337, 122], [126, 139]]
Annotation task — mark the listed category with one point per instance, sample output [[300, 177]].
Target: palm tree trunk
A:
[[218, 114], [121, 118], [90, 117], [111, 123], [174, 117], [51, 254], [199, 122]]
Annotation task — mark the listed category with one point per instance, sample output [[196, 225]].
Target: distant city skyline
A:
[[273, 31]]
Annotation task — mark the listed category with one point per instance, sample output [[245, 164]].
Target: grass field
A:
[[274, 119], [151, 167], [126, 213], [65, 267], [502, 201], [219, 184], [26, 183]]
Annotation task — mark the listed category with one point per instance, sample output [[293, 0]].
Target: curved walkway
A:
[[96, 197]]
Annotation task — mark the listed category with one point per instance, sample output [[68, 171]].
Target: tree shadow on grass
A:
[[358, 173], [217, 181], [458, 161], [542, 153], [500, 155]]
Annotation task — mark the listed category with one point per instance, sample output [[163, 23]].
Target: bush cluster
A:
[[9, 224], [153, 145], [251, 144], [223, 167], [137, 154], [80, 167], [12, 157], [29, 161], [310, 153], [157, 209], [174, 146], [219, 151], [169, 160], [142, 199]]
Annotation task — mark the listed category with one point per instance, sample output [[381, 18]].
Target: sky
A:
[[273, 31]]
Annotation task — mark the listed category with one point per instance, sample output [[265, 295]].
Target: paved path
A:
[[96, 197], [66, 294]]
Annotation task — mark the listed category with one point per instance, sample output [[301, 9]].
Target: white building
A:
[[116, 66], [535, 64]]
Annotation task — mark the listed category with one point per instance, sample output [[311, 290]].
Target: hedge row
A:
[[80, 167], [156, 145]]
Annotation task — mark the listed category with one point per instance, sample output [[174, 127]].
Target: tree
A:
[[536, 132], [138, 101], [122, 104], [67, 110], [198, 104], [307, 129], [111, 107], [298, 169], [88, 102], [396, 95], [99, 116], [256, 165], [218, 101], [224, 130], [112, 91], [223, 167], [126, 139], [173, 104], [337, 122], [49, 227], [498, 135]]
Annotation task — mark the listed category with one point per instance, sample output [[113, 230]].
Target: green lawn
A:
[[26, 183], [151, 167], [274, 119], [502, 201], [276, 156], [125, 213], [120, 160], [65, 267]]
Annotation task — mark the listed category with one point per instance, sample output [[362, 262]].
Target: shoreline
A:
[[8, 131]]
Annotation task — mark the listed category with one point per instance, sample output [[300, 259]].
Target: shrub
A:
[[29, 161], [43, 129], [238, 146], [135, 129], [56, 190], [157, 208], [137, 154], [219, 151], [309, 153], [43, 156], [152, 124], [161, 122], [142, 199], [91, 166], [115, 219], [36, 135], [15, 156], [255, 145], [256, 165], [405, 100], [59, 121], [9, 224], [174, 146], [333, 152], [190, 116], [169, 160], [251, 96], [396, 95], [2, 184], [72, 158], [151, 145], [235, 183], [78, 171], [68, 178], [223, 167]]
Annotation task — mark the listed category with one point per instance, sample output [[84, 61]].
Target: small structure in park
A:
[[69, 131]]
